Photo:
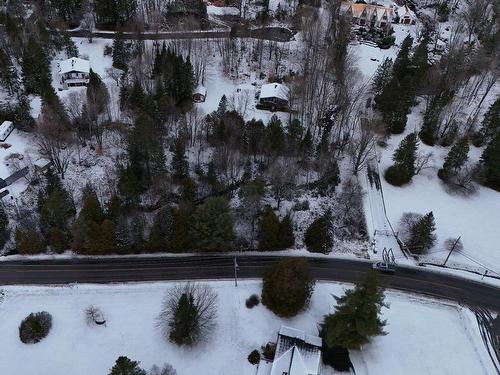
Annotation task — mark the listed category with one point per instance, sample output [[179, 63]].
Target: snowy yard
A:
[[475, 218], [424, 337]]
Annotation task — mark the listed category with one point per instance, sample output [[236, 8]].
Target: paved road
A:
[[277, 34], [221, 267]]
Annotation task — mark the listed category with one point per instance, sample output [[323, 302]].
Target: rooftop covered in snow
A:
[[274, 90], [74, 64]]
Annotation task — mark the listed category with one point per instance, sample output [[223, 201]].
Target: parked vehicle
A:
[[384, 267]]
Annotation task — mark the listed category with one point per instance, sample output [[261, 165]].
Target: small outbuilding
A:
[[199, 94], [274, 96], [5, 129], [74, 72]]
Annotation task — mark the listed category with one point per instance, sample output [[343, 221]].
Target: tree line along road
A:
[[216, 267]]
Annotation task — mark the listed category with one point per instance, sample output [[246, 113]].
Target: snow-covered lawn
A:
[[423, 337], [476, 218]]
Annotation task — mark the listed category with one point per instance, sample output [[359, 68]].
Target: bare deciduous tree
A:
[[94, 315], [55, 142], [202, 301], [167, 369], [408, 220], [422, 162]]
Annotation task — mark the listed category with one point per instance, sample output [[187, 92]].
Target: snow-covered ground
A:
[[424, 337], [475, 218]]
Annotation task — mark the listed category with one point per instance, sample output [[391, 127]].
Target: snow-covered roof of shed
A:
[[274, 90], [74, 64], [200, 89]]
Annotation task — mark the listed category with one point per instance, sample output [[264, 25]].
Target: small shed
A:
[[199, 94], [274, 96], [5, 129]]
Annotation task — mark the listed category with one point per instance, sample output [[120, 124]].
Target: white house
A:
[[199, 94], [5, 129], [74, 72], [297, 353], [274, 96], [378, 16]]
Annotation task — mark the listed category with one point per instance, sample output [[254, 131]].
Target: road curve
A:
[[106, 270]]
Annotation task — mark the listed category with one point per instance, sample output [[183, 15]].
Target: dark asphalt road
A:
[[277, 34], [88, 270]]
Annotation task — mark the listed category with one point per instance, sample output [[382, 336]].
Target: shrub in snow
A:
[[125, 366], [252, 301], [273, 233], [318, 238], [35, 327], [336, 357], [188, 313], [254, 357], [287, 287], [167, 369], [94, 315]]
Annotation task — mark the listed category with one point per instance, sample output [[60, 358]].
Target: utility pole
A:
[[235, 273], [451, 250]]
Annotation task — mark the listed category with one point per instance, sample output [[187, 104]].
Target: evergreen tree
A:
[[404, 158], [212, 225], [287, 287], [286, 235], [491, 163], [68, 10], [180, 166], [275, 136], [382, 75], [491, 122], [422, 236], [180, 239], [22, 116], [9, 78], [185, 321], [35, 68], [4, 227], [28, 239], [269, 227], [121, 52], [429, 131], [159, 236], [91, 209], [124, 365], [294, 132], [55, 208], [317, 237], [222, 108], [356, 318], [455, 159], [69, 46], [112, 13], [396, 97], [401, 66]]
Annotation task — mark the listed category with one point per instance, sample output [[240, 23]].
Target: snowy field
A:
[[476, 218], [424, 337]]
